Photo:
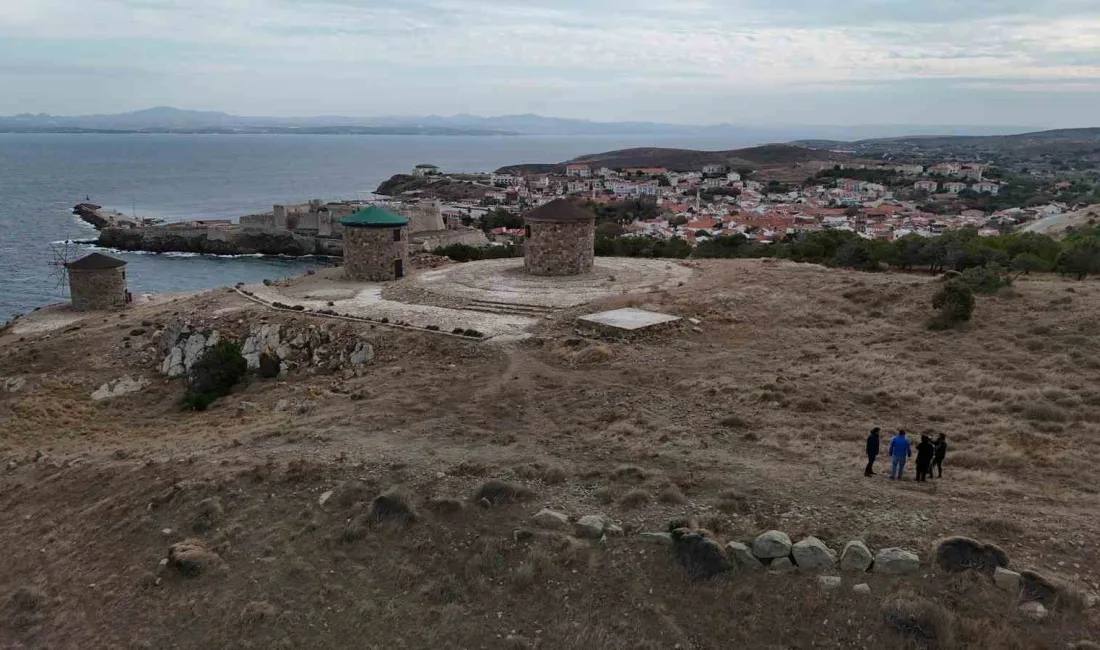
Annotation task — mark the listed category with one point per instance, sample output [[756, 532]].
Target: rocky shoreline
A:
[[227, 240]]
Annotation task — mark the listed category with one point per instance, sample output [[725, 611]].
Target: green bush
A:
[[955, 303], [985, 279], [1027, 262], [214, 375]]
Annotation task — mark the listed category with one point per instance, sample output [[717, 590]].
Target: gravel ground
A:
[[369, 303]]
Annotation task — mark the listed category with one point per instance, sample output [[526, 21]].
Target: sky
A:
[[752, 62]]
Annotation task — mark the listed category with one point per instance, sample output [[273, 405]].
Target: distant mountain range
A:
[[164, 119]]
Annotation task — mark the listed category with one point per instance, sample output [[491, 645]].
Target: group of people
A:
[[930, 454]]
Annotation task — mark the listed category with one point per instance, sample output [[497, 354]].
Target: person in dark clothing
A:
[[925, 452], [938, 455], [872, 452]]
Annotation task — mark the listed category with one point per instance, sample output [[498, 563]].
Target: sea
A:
[[182, 177]]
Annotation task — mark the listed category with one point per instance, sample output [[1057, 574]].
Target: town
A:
[[874, 200]]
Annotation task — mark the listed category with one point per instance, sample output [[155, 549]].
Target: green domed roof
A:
[[374, 217]]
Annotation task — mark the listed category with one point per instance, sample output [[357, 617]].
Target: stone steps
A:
[[514, 309]]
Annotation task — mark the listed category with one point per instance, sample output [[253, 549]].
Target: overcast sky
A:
[[760, 62]]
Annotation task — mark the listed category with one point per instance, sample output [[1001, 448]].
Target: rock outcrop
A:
[[119, 387], [271, 345]]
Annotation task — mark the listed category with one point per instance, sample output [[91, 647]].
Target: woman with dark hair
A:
[[925, 451], [939, 455]]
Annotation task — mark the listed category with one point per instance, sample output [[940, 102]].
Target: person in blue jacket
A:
[[900, 451]]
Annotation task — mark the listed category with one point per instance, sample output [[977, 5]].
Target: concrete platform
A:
[[625, 321]]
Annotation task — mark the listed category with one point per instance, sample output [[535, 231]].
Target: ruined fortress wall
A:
[[424, 216], [369, 253], [559, 248], [98, 289]]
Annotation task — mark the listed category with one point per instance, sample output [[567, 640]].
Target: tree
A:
[[955, 303], [678, 220], [1027, 262], [1080, 257]]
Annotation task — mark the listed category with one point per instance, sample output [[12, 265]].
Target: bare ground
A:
[[753, 421]]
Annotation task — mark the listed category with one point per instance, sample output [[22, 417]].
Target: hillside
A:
[[431, 186], [300, 486], [689, 159], [1025, 146]]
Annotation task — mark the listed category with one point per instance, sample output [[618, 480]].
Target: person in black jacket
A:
[[872, 452], [938, 456], [925, 452]]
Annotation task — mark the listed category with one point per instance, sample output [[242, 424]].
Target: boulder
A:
[[119, 387], [701, 556], [781, 565], [663, 539], [1035, 586], [742, 556], [771, 544], [856, 557], [1033, 611], [862, 589], [12, 384], [361, 354], [963, 553], [1006, 580], [590, 526], [811, 553], [191, 558], [829, 583], [896, 561], [550, 519]]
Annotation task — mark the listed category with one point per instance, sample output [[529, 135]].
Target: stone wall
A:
[[369, 253], [559, 248], [93, 290]]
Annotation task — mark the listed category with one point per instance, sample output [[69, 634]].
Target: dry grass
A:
[[635, 498], [671, 495]]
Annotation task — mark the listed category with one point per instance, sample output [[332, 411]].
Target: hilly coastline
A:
[[687, 159]]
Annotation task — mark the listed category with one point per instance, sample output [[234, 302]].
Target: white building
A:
[[733, 177], [953, 187], [714, 168], [506, 179], [927, 186], [986, 186], [579, 171]]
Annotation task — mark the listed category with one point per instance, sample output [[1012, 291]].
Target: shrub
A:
[[986, 279], [214, 375], [635, 498], [955, 302]]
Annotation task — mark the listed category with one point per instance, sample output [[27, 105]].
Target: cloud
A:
[[544, 48]]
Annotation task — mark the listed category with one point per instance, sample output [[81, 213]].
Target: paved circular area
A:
[[504, 281]]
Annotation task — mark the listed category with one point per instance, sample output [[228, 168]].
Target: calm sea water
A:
[[177, 177]]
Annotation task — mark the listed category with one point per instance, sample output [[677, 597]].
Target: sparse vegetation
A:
[[214, 375], [955, 304]]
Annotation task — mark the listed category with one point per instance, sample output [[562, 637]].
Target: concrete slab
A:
[[626, 320]]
